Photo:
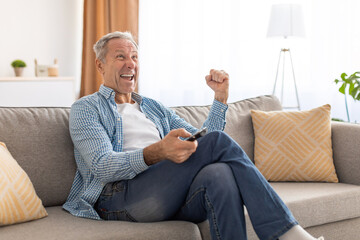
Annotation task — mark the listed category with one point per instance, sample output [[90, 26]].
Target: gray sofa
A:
[[39, 140]]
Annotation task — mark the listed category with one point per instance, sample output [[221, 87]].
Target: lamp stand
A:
[[283, 51]]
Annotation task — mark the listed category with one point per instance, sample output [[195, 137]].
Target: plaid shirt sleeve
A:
[[216, 118]]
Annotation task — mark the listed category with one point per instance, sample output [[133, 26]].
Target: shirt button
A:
[[119, 141], [118, 119]]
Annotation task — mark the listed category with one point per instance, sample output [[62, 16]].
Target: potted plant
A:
[[353, 90], [18, 66]]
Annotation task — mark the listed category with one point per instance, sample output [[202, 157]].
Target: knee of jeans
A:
[[212, 136], [218, 134], [215, 133], [225, 139], [217, 175]]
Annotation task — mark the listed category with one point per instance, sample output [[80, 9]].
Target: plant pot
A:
[[18, 71]]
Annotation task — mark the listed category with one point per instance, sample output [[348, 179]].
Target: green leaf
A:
[[351, 87], [336, 81], [337, 119], [356, 75], [355, 92], [352, 78], [357, 82], [342, 88], [343, 76]]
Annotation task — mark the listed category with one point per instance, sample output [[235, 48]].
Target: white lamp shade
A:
[[286, 20]]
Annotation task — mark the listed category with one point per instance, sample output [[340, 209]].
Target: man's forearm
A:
[[153, 154], [222, 98]]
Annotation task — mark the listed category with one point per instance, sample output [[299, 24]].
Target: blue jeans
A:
[[214, 183]]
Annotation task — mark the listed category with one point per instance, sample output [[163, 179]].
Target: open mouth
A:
[[127, 76]]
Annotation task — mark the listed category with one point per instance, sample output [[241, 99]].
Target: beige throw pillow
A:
[[18, 200], [294, 146]]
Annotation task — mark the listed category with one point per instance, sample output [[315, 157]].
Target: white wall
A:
[[41, 29]]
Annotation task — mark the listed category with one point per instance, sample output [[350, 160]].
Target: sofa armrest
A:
[[346, 151]]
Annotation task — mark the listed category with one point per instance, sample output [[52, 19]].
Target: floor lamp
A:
[[286, 20]]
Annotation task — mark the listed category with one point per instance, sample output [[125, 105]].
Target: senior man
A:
[[134, 164]]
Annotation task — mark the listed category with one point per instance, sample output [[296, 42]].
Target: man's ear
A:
[[99, 66]]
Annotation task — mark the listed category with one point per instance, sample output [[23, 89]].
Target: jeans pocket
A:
[[122, 215], [113, 187], [119, 186], [111, 202]]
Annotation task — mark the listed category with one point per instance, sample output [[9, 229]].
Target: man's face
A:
[[120, 70]]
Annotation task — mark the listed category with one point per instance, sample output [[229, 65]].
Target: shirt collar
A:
[[106, 91], [136, 97], [109, 92]]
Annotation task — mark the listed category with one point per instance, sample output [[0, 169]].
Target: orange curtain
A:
[[100, 18]]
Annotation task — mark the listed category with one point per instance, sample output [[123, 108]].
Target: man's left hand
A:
[[218, 81]]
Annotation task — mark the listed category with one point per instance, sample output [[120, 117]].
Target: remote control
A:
[[197, 135]]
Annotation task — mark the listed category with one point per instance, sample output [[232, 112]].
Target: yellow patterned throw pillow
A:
[[18, 200], [294, 146]]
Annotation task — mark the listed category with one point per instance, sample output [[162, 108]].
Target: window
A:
[[180, 41]]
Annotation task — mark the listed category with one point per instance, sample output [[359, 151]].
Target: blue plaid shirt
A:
[[97, 134]]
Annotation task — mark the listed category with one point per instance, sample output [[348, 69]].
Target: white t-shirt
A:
[[138, 131]]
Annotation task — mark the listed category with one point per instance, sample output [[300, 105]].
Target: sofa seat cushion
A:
[[62, 225], [314, 204]]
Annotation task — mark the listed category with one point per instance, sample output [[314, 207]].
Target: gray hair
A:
[[100, 47]]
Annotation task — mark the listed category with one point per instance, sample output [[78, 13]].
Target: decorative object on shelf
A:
[[354, 88], [40, 70], [286, 20], [18, 66], [53, 70], [47, 70]]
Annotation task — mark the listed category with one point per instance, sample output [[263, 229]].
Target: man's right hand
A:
[[171, 147]]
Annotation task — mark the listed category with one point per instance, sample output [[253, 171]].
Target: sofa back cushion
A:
[[39, 139], [238, 118]]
